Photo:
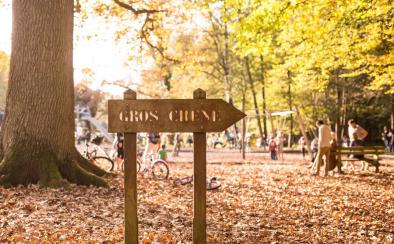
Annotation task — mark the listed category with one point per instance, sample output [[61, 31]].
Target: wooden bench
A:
[[369, 154]]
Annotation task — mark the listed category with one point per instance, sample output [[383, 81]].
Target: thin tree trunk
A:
[[302, 126], [338, 127], [392, 112], [254, 94], [290, 108], [344, 111], [263, 95], [272, 123], [243, 124], [38, 132]]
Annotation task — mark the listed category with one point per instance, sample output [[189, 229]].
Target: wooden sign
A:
[[198, 115], [171, 115]]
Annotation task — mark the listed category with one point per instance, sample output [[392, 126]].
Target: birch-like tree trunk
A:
[[254, 94]]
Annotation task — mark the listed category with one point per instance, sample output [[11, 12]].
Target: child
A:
[[301, 143], [272, 147], [119, 154], [163, 153], [315, 149]]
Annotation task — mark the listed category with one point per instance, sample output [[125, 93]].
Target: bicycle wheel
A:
[[104, 163], [138, 165], [160, 169]]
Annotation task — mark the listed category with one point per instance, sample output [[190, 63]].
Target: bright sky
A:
[[5, 29], [105, 58]]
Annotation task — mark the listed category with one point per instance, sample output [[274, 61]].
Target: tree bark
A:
[[38, 131], [344, 111], [338, 113], [254, 94], [392, 112], [263, 95], [290, 142], [243, 124]]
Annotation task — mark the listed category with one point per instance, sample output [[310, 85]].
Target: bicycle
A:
[[159, 167], [104, 162]]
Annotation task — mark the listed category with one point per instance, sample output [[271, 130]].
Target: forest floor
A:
[[260, 201]]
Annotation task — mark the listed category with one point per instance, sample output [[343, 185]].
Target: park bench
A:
[[369, 154]]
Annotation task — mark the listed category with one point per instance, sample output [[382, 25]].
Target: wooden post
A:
[[200, 181], [130, 180]]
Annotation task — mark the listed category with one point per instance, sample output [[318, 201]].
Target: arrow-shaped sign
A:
[[171, 115]]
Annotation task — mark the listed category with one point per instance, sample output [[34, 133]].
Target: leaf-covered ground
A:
[[260, 201]]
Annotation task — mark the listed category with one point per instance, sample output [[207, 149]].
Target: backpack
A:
[[272, 145]]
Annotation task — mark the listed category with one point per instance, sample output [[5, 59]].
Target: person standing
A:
[[272, 148], [355, 129], [314, 148], [301, 143], [163, 153], [392, 141], [152, 145], [324, 147], [178, 139], [387, 138], [119, 155], [280, 140]]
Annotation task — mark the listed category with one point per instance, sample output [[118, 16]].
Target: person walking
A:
[[324, 147]]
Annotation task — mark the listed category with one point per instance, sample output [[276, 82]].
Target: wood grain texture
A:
[[200, 179], [40, 95], [130, 181], [171, 115]]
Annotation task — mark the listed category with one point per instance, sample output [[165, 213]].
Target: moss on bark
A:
[[74, 173], [22, 166], [88, 166]]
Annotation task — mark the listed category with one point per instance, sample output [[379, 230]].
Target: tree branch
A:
[[139, 11], [145, 29]]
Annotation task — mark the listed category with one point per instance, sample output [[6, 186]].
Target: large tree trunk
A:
[[38, 132], [254, 94]]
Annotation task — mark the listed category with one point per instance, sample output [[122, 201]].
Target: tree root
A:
[[74, 173], [5, 181], [49, 174], [24, 168], [88, 166]]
